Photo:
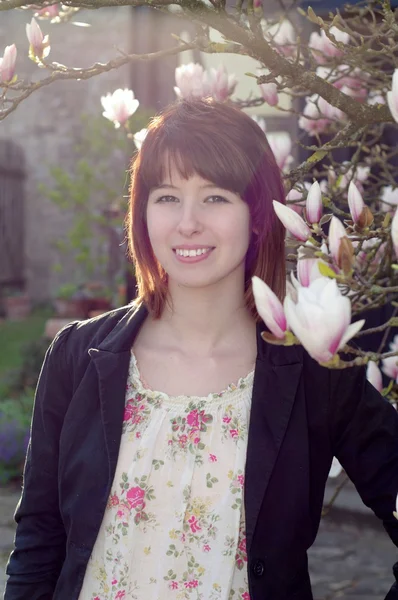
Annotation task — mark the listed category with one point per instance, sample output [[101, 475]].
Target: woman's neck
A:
[[206, 321]]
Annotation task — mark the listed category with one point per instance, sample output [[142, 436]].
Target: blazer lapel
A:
[[276, 379], [112, 361]]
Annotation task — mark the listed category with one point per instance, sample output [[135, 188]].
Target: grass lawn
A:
[[14, 334]]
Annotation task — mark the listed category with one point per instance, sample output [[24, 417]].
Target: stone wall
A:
[[47, 124]]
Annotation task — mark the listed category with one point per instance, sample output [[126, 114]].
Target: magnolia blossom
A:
[[269, 92], [389, 197], [307, 268], [373, 374], [366, 247], [49, 12], [293, 196], [292, 221], [390, 364], [313, 207], [194, 82], [323, 48], [7, 64], [351, 81], [222, 85], [392, 97], [139, 137], [269, 307], [318, 115], [355, 203], [394, 231], [321, 318], [336, 233], [358, 174], [119, 106], [281, 146], [335, 469], [282, 35], [376, 97], [39, 45]]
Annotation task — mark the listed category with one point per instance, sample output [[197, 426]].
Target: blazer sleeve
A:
[[364, 436], [35, 563]]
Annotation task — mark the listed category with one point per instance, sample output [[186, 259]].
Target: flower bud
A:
[[374, 376], [7, 64], [269, 307], [361, 215], [313, 207], [292, 221], [39, 44]]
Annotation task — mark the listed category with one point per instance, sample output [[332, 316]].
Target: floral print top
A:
[[174, 525]]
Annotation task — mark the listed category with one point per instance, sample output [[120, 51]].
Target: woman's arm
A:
[[364, 436], [37, 559]]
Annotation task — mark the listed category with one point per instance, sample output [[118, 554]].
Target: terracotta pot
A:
[[17, 307], [69, 307]]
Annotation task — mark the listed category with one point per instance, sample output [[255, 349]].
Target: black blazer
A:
[[302, 414]]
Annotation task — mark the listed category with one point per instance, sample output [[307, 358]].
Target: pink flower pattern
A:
[[140, 507]]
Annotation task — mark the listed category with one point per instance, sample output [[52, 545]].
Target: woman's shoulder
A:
[[78, 337]]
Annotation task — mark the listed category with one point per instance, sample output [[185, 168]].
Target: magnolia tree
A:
[[341, 218]]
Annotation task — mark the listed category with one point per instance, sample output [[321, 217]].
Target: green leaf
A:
[[326, 271]]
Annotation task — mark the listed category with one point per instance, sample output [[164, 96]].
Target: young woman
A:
[[174, 454]]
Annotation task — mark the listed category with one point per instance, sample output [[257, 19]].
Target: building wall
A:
[[47, 124]]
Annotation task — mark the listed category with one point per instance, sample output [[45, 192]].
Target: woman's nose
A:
[[189, 222]]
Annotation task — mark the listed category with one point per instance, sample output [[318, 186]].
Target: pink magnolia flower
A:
[[49, 12], [269, 92], [392, 97], [292, 200], [39, 44], [7, 64], [307, 268], [135, 497], [119, 106], [389, 197], [313, 206], [336, 233], [281, 146], [390, 364], [194, 524], [321, 318], [373, 374], [318, 115], [323, 48], [192, 81], [355, 202], [139, 137], [292, 221], [269, 307], [282, 35], [222, 85]]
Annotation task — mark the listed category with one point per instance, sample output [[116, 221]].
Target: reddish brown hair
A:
[[225, 146]]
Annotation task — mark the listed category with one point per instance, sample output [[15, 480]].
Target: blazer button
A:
[[258, 568]]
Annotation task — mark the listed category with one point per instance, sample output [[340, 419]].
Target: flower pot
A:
[[70, 307]]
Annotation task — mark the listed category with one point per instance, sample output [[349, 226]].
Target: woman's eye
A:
[[216, 199], [164, 199]]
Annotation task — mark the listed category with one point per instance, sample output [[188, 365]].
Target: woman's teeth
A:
[[197, 252]]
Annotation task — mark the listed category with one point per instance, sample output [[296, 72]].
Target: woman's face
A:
[[199, 232]]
